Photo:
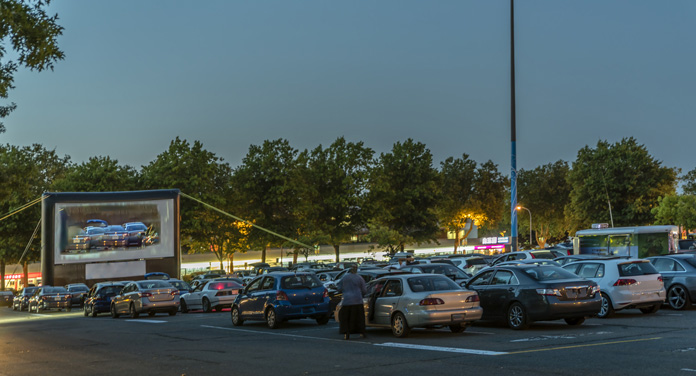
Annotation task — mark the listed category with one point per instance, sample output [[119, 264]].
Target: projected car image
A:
[[102, 231]]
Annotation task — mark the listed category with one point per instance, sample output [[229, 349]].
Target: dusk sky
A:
[[232, 74]]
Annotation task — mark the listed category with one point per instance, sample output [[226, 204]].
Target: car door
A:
[[262, 296], [246, 301], [669, 269], [480, 284], [193, 299], [502, 288], [387, 301]]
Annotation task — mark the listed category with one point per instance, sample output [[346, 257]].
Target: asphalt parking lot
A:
[[66, 343]]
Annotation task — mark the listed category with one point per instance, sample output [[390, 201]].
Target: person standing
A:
[[352, 315]]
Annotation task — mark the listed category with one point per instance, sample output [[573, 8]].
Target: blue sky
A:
[[231, 74]]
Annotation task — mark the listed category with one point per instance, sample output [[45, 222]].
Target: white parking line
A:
[[688, 370], [147, 321], [438, 348]]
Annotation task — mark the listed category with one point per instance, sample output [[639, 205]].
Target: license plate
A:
[[458, 317]]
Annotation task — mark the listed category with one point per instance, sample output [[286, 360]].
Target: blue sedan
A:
[[280, 296]]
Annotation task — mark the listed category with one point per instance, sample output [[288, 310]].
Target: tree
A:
[[267, 185], [677, 210], [200, 174], [689, 180], [545, 192], [617, 184], [471, 195], [99, 174], [26, 173], [334, 182], [403, 192], [32, 34]]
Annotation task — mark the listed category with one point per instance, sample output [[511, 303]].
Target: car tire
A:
[[172, 312], [218, 308], [84, 311], [93, 311], [207, 308], [575, 320], [236, 316], [458, 328], [183, 306], [399, 325], [651, 309], [114, 314], [151, 314], [323, 320], [69, 309], [272, 319], [678, 297], [517, 317], [606, 310], [133, 313]]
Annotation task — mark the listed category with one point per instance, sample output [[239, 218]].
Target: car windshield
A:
[[181, 285], [636, 268], [224, 285], [445, 269], [110, 290], [136, 227], [425, 283], [299, 281], [549, 273], [78, 288], [95, 230], [154, 285], [115, 229], [52, 290]]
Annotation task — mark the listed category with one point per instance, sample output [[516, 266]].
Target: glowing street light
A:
[[530, 222]]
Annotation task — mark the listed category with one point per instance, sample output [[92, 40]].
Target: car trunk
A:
[[453, 300], [571, 289], [159, 295], [305, 296]]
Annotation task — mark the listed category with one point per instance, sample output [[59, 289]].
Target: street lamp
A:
[[530, 222]]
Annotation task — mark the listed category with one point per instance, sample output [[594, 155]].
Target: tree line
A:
[[328, 195]]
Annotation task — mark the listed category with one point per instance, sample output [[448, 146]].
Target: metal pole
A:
[[530, 223], [513, 135]]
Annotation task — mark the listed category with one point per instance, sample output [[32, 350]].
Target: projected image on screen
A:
[[91, 232]]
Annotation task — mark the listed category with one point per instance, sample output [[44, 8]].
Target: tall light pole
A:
[[530, 223], [513, 135]]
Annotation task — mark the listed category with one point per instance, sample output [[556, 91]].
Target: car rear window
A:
[[691, 261], [224, 285], [431, 283], [155, 285], [55, 289], [549, 273], [636, 268], [110, 290], [543, 254], [300, 281]]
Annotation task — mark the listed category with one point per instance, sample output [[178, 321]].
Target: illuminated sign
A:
[[20, 276], [498, 246], [494, 240]]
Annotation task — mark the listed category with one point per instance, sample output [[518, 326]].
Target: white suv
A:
[[624, 283]]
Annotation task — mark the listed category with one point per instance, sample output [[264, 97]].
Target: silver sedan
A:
[[149, 296], [214, 294], [402, 302]]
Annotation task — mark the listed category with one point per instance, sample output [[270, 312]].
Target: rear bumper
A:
[[624, 299], [165, 306], [55, 305], [448, 317], [555, 309], [288, 311]]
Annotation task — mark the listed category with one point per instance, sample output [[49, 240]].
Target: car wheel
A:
[[651, 309], [183, 306], [206, 306], [575, 320], [172, 312], [85, 311], [323, 320], [114, 314], [271, 319], [69, 309], [678, 297], [218, 308], [458, 328], [93, 311], [606, 309], [399, 326], [517, 317], [133, 313], [236, 317], [151, 314]]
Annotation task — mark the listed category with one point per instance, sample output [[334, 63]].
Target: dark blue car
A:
[[280, 296], [98, 300]]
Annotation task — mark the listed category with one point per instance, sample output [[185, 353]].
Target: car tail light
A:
[[531, 254], [175, 292], [431, 301], [325, 294], [472, 298], [593, 290], [281, 295], [548, 292], [144, 294], [625, 282], [659, 278]]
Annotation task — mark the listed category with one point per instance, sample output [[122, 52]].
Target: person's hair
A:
[[353, 269]]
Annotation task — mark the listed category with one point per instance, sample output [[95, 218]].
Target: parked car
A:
[[367, 275], [21, 300], [156, 275], [115, 236], [405, 301], [451, 271], [529, 262], [147, 296], [471, 265], [77, 292], [88, 239], [280, 296], [679, 276], [50, 297], [215, 294], [137, 231], [98, 299], [571, 258], [624, 283], [182, 286], [6, 298], [522, 294], [521, 255]]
